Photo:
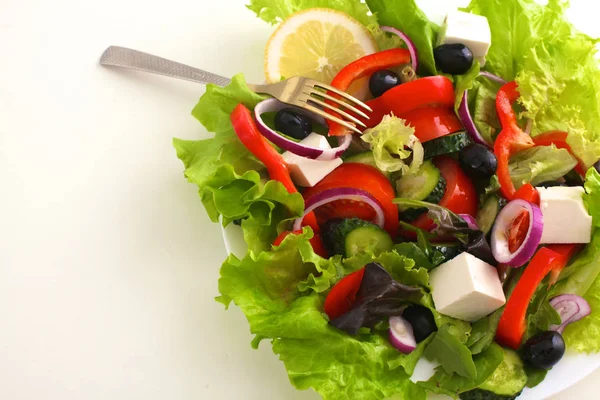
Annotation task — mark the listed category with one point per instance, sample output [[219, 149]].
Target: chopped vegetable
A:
[[544, 350], [511, 139], [401, 335], [517, 233], [378, 297], [511, 327], [316, 153], [394, 145], [571, 308]]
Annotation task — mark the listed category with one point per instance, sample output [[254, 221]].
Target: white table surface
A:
[[108, 262]]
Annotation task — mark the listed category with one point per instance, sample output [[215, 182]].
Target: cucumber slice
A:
[[446, 144], [419, 185], [351, 236], [426, 184], [368, 238], [487, 213], [366, 157]]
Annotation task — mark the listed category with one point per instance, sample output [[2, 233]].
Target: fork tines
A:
[[317, 93]]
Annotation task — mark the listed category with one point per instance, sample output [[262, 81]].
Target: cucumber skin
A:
[[434, 197], [446, 144], [334, 233]]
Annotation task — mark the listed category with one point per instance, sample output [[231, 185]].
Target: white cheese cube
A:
[[469, 29], [566, 219], [466, 288], [308, 172]]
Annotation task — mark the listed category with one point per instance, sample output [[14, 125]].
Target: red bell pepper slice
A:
[[315, 241], [528, 193], [360, 68], [559, 139], [511, 139], [512, 325], [248, 133]]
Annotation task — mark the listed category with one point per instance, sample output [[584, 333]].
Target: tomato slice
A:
[[363, 177], [433, 122], [315, 241], [460, 196], [343, 295], [518, 231], [431, 91]]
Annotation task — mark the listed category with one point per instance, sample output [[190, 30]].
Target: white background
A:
[[108, 262]]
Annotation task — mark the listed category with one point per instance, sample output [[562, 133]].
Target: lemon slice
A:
[[316, 43]]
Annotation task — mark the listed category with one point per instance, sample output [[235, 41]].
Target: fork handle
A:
[[128, 58]]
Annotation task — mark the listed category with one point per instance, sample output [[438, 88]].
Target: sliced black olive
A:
[[382, 81], [544, 350], [477, 161], [421, 320], [292, 124], [454, 59]]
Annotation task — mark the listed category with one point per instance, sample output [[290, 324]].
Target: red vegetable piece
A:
[[343, 295]]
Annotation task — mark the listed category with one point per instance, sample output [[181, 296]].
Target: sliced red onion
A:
[[470, 221], [412, 49], [532, 239], [401, 335], [464, 114], [299, 149], [493, 77], [571, 308], [329, 195]]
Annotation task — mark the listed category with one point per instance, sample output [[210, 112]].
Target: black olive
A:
[[292, 124], [382, 81], [477, 161], [421, 320], [454, 59], [544, 350], [597, 165], [548, 184], [328, 235], [572, 178]]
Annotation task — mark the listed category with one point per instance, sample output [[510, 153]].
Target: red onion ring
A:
[[401, 335], [532, 240], [571, 308], [329, 195], [464, 114], [412, 49], [470, 221], [290, 145]]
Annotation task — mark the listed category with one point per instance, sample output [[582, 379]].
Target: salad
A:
[[459, 226]]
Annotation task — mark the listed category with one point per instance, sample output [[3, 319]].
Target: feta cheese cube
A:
[[466, 288], [469, 29], [308, 172], [566, 219]]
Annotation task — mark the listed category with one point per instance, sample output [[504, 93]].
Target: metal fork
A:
[[305, 93]]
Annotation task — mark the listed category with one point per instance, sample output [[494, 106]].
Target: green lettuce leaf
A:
[[393, 142], [540, 164], [275, 11], [592, 196], [453, 356], [406, 16], [453, 384], [203, 157], [553, 64], [278, 292]]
